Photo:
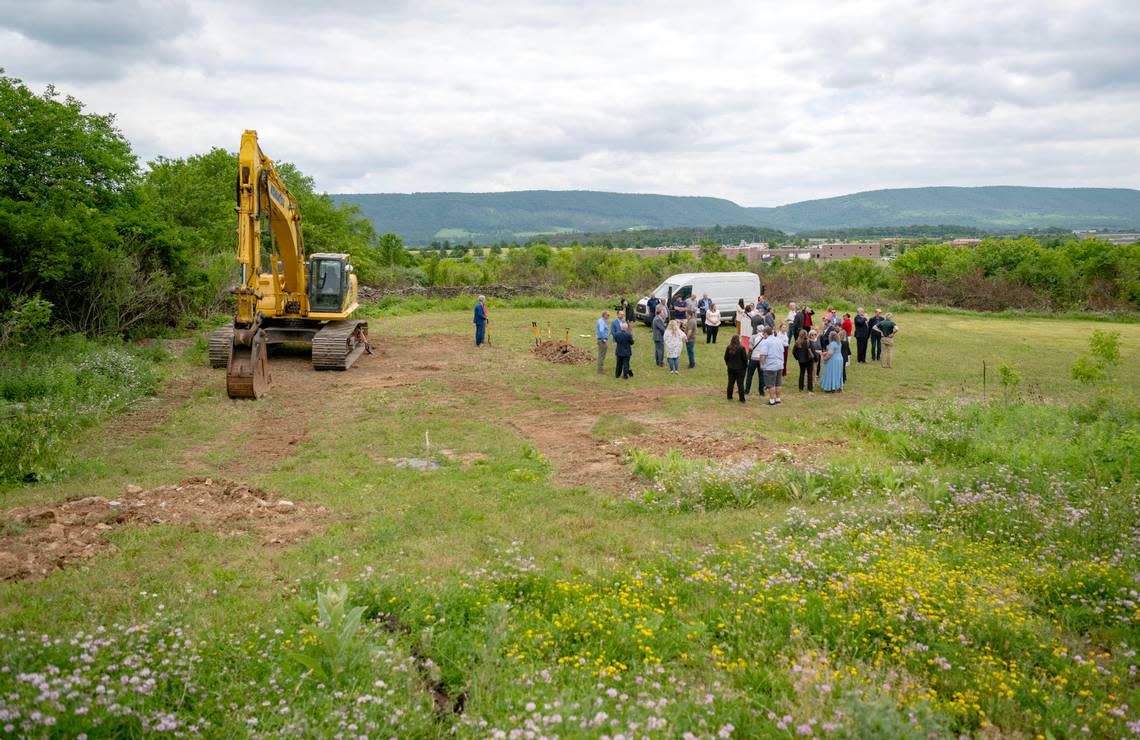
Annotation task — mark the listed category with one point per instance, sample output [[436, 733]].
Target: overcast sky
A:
[[761, 102]]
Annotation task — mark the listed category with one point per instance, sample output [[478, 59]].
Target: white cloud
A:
[[761, 102]]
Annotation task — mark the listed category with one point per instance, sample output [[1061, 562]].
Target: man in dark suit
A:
[[797, 325], [876, 337], [623, 342], [862, 334]]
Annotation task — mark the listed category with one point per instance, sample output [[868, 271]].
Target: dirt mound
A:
[[563, 353], [38, 539]]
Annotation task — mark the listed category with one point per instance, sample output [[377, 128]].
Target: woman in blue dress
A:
[[832, 379]]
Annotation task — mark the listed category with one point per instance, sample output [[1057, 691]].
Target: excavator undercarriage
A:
[[244, 353]]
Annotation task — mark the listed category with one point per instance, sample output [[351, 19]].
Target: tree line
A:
[[93, 241]]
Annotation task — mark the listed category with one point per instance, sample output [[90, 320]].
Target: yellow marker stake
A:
[[534, 331]]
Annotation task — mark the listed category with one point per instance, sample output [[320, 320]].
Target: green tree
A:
[[392, 252], [55, 155], [74, 227], [709, 247], [195, 197]]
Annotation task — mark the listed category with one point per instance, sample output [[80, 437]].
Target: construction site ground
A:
[[520, 449]]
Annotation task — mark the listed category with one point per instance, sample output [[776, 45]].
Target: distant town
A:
[[823, 249]]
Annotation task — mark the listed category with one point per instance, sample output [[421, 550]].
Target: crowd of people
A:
[[759, 350], [761, 346]]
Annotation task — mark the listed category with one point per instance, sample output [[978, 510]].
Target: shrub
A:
[[61, 386], [28, 319]]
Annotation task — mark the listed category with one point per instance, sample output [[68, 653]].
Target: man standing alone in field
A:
[[480, 320], [659, 325], [603, 334]]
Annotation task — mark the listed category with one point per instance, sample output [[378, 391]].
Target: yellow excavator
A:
[[283, 296]]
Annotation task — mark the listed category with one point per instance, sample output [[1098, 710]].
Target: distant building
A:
[[751, 252], [843, 250], [763, 252], [964, 242], [1115, 237]]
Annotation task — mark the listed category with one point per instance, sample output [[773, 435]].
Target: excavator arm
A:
[[260, 191], [290, 299], [281, 293]]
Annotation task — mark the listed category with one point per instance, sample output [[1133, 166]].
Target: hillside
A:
[[487, 217], [997, 208]]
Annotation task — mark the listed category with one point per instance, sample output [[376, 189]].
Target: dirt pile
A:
[[563, 353], [35, 540]]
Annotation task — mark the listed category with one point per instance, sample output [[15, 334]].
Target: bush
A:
[[28, 319], [1000, 274]]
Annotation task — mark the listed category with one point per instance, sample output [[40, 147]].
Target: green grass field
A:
[[919, 555]]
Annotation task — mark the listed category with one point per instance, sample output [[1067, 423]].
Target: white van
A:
[[724, 289]]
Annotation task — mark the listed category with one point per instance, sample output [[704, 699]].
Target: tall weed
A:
[[1100, 442], [48, 393], [708, 485]]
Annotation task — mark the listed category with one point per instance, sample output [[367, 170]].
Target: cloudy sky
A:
[[761, 102]]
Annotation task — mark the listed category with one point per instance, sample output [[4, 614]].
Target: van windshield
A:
[[662, 290]]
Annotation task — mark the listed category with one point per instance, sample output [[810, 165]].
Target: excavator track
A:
[[221, 341], [339, 343]]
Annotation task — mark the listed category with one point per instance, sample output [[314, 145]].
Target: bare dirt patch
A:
[[40, 539], [570, 442], [563, 353]]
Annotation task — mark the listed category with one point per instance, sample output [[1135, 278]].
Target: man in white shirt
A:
[[772, 363]]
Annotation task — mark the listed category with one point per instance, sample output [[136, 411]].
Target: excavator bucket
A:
[[247, 374]]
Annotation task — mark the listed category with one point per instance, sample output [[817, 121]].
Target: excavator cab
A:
[[328, 282]]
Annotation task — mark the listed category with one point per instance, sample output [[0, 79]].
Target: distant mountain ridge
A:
[[487, 217]]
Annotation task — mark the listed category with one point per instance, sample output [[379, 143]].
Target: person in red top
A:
[[848, 325]]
